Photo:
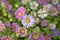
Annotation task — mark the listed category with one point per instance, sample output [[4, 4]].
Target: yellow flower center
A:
[[22, 31], [20, 14], [33, 5], [42, 13], [36, 36], [27, 20], [53, 11], [1, 27]]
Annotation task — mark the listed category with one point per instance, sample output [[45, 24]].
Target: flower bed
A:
[[29, 19]]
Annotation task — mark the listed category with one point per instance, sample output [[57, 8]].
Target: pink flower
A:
[[20, 12], [22, 31]]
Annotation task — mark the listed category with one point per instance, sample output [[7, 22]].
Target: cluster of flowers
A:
[[32, 19]]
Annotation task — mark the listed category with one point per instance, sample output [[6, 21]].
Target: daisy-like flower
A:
[[33, 14], [22, 31], [42, 13], [58, 7], [14, 27], [20, 12], [47, 7], [53, 11], [44, 2], [48, 37], [27, 21], [55, 2], [9, 7], [33, 5], [51, 26], [6, 38], [44, 23], [55, 32], [2, 27], [36, 36]]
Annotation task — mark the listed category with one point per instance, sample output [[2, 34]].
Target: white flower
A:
[[47, 7], [55, 2], [28, 21], [33, 14], [33, 5], [42, 13], [52, 26]]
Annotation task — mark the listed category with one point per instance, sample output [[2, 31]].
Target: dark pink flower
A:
[[20, 12]]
